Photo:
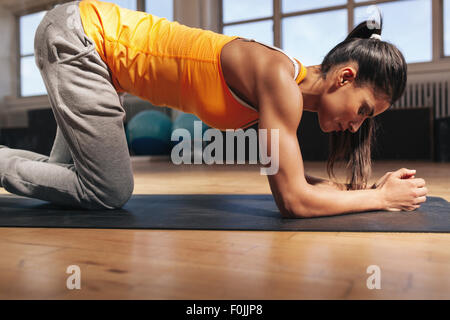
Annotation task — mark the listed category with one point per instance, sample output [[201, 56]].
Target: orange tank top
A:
[[167, 63]]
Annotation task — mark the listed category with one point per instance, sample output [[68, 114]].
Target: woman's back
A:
[[174, 65]]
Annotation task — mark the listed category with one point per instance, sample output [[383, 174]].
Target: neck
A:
[[312, 88]]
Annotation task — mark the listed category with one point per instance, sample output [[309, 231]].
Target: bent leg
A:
[[60, 152], [6, 152], [88, 112]]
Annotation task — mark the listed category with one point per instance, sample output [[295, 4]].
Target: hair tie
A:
[[375, 36]]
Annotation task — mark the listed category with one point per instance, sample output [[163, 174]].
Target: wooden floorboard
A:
[[184, 264]]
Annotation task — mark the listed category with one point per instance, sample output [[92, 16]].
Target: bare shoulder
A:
[[250, 68], [278, 91]]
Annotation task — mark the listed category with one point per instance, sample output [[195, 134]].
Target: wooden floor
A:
[[158, 264]]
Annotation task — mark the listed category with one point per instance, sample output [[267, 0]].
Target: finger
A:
[[420, 192], [383, 179], [419, 182], [411, 208], [404, 172], [408, 175], [419, 200]]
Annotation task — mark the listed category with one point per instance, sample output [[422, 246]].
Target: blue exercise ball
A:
[[148, 133], [186, 121]]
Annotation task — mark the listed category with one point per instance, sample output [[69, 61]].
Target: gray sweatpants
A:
[[89, 165]]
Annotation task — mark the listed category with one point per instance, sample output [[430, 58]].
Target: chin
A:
[[324, 125], [325, 128]]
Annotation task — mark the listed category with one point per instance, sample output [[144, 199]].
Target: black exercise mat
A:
[[216, 212]]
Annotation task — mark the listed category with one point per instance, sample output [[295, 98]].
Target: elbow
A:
[[296, 211], [294, 207], [287, 213]]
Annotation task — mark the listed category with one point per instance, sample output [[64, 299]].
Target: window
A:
[[31, 83], [309, 37], [447, 27], [405, 27], [30, 80], [127, 4], [239, 19], [238, 10], [308, 29], [160, 8], [261, 31], [295, 5]]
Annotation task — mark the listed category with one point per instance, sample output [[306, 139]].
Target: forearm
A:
[[314, 201], [323, 183]]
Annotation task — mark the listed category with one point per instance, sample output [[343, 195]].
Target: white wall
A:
[[443, 73]]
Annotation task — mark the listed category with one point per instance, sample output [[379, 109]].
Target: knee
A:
[[111, 193], [119, 195]]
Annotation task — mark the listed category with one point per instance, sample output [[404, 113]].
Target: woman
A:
[[90, 52]]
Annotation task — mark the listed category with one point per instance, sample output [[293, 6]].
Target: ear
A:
[[347, 75]]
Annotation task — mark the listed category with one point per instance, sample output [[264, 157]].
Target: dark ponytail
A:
[[382, 67]]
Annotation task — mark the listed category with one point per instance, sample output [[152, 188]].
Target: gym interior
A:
[[214, 259]]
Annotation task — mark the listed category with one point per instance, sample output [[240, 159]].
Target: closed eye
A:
[[363, 111], [366, 110]]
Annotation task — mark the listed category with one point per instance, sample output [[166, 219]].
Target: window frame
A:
[[438, 54], [440, 11], [437, 23], [140, 6], [19, 55]]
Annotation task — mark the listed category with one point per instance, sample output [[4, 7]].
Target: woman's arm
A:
[[324, 183], [281, 107]]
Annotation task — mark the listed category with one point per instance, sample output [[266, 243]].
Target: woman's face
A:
[[345, 107]]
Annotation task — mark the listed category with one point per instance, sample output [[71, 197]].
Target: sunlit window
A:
[[310, 37], [261, 31], [406, 24], [296, 5], [127, 4], [31, 83], [160, 8], [447, 27], [239, 10]]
